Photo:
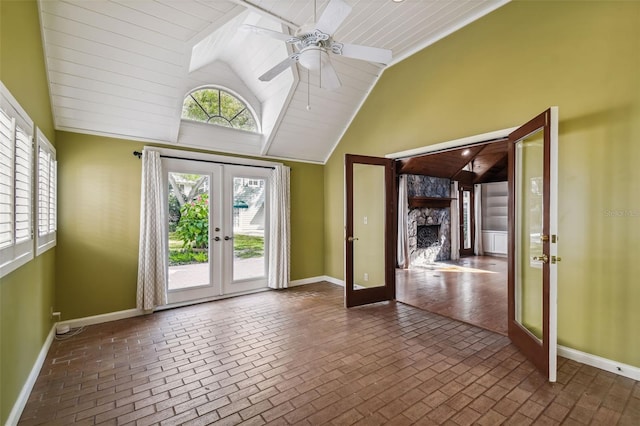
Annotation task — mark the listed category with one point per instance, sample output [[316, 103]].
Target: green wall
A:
[[27, 294], [497, 73], [99, 219]]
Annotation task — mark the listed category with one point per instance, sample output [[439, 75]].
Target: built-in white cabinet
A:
[[495, 242], [495, 198]]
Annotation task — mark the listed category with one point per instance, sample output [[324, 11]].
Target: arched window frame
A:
[[239, 98]]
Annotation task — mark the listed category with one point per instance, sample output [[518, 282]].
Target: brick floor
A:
[[298, 357]]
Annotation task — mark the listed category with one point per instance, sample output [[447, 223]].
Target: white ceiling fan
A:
[[314, 42]]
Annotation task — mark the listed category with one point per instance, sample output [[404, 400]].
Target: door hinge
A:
[[554, 238]]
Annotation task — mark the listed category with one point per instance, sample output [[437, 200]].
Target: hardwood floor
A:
[[297, 356], [473, 290]]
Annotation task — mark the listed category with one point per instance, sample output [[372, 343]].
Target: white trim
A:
[[454, 143], [333, 280], [313, 280], [13, 264], [553, 251], [23, 397], [605, 364], [99, 319], [209, 299]]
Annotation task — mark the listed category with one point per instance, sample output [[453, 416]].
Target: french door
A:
[[217, 229], [532, 268], [370, 225]]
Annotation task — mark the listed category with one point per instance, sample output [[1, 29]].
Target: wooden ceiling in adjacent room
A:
[[488, 164]]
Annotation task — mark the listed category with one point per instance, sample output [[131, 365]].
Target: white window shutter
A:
[[47, 193], [23, 185], [7, 129], [16, 184]]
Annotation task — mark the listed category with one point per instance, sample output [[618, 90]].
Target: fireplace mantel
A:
[[429, 202]]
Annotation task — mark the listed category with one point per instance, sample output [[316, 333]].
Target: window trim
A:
[[49, 239], [233, 93], [17, 254]]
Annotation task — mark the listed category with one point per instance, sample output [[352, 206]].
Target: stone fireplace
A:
[[429, 227]]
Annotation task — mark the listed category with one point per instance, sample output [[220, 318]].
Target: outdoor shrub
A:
[[193, 227]]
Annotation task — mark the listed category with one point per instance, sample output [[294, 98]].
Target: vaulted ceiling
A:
[[122, 68], [482, 163]]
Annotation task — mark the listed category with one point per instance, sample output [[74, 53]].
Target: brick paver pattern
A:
[[297, 356]]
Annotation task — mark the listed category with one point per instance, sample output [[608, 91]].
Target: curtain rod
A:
[[139, 155]]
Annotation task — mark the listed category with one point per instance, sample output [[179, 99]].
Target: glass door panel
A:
[[188, 230], [528, 233], [368, 226], [248, 227], [466, 219], [465, 203]]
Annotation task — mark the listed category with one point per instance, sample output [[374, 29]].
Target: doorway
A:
[[217, 229], [532, 233], [472, 287]]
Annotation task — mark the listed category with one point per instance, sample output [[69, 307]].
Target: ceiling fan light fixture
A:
[[313, 57]]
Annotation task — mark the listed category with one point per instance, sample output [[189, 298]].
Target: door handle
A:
[[352, 239], [227, 238], [542, 258]]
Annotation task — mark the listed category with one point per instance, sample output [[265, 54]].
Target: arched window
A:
[[217, 106]]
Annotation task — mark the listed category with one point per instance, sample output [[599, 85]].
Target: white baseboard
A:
[[319, 278], [333, 280], [599, 362], [99, 319], [23, 397]]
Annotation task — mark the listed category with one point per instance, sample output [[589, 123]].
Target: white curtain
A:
[[455, 222], [152, 257], [279, 237], [403, 219], [478, 250]]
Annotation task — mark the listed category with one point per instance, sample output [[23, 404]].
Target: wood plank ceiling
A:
[[122, 68], [468, 165]]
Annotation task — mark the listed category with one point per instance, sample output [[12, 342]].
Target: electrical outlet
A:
[[366, 276]]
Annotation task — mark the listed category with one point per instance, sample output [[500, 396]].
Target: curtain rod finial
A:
[[137, 154]]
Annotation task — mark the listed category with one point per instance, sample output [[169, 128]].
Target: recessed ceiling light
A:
[[397, 1], [466, 152]]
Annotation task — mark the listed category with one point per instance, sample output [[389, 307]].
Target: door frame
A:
[[358, 297]]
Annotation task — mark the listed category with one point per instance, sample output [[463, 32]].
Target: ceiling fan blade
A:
[[328, 77], [334, 14], [366, 53], [273, 72], [264, 31]]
